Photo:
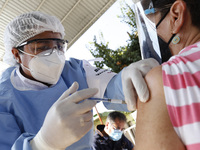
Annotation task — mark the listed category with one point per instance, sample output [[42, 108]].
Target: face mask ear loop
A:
[[162, 18], [27, 53], [26, 68], [159, 24], [171, 39]]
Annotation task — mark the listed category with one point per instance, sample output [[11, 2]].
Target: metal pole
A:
[[98, 115]]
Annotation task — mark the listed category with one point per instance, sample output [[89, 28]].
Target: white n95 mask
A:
[[46, 69]]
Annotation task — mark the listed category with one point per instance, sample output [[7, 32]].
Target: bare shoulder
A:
[[153, 126]]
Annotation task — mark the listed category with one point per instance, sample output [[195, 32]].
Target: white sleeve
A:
[[97, 78]]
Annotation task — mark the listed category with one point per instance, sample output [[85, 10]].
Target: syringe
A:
[[109, 100]]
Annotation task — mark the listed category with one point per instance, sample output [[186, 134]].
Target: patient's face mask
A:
[[165, 51], [151, 45], [48, 68]]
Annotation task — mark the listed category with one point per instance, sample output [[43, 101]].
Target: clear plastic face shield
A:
[[45, 47], [148, 19]]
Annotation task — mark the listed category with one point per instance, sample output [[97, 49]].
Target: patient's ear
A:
[[178, 15], [15, 53]]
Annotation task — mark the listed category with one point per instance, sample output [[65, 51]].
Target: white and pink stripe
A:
[[181, 79]]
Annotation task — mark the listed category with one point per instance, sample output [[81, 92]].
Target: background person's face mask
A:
[[116, 135], [46, 69]]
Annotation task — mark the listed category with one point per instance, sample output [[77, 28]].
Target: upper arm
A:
[[153, 126]]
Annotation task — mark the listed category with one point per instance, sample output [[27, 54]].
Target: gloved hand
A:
[[67, 120], [133, 82]]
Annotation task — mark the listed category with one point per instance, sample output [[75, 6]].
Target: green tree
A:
[[117, 59]]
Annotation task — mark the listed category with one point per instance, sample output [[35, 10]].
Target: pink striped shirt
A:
[[181, 79]]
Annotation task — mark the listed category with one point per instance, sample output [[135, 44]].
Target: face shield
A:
[[148, 19]]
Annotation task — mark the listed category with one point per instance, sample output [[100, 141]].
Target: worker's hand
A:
[[67, 120], [133, 82]]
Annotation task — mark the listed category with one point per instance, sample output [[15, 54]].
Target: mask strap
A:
[[162, 18], [161, 21], [27, 53], [26, 68], [171, 39]]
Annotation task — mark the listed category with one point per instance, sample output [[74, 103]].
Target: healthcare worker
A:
[[43, 98], [170, 120]]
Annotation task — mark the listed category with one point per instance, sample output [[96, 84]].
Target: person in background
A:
[[110, 136], [170, 119], [44, 98]]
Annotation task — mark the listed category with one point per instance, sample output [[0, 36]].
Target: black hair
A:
[[192, 5], [116, 115]]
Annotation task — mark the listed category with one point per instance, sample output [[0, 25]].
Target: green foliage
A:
[[117, 59]]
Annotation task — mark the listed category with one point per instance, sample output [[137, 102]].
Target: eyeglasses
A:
[[117, 128], [47, 46]]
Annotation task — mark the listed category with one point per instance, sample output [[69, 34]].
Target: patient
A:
[[170, 119]]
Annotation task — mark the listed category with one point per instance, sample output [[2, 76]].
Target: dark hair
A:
[[116, 115], [192, 5]]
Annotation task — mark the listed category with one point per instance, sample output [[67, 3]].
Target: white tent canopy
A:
[[76, 15]]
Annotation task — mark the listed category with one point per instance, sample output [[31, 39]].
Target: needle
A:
[[109, 100]]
